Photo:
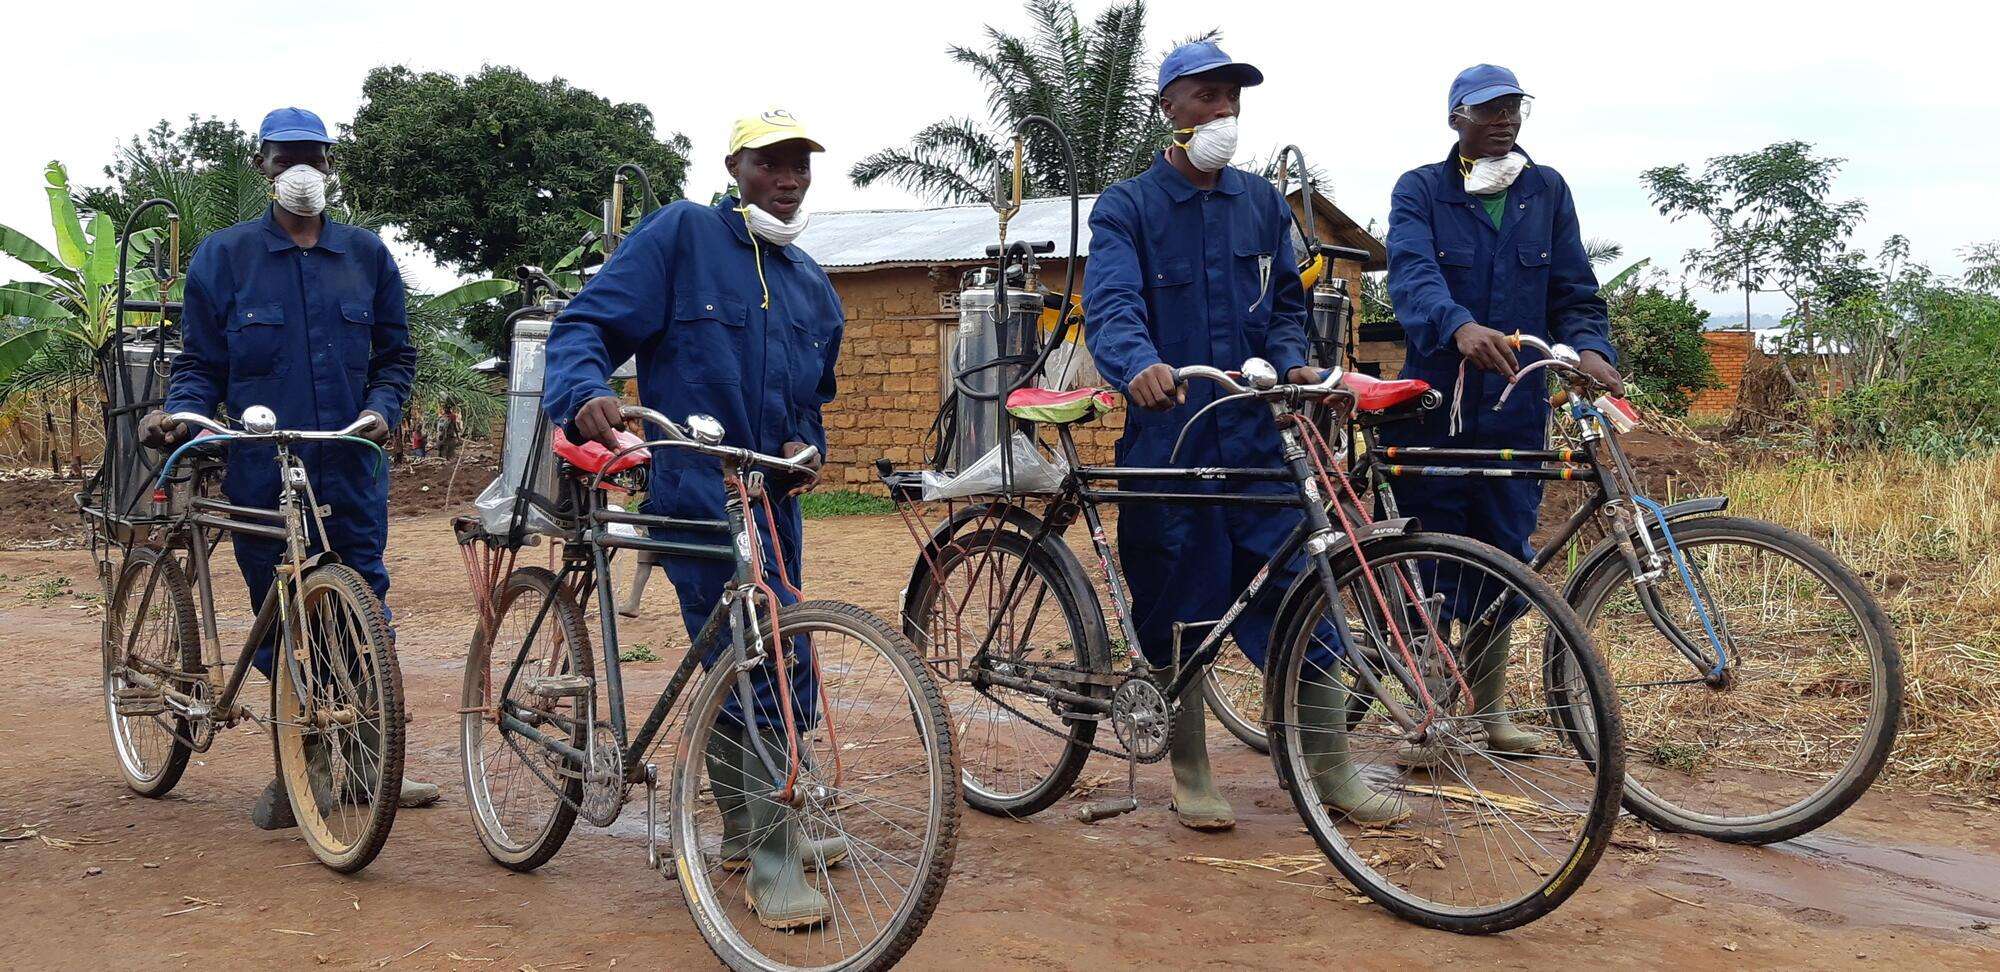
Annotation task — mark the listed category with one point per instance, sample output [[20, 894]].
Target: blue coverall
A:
[[1185, 276], [318, 336], [1449, 265], [683, 292]]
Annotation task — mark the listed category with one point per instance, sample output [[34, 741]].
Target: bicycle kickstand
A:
[[1106, 809], [661, 860]]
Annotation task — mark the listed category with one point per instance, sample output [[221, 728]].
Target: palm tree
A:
[[1095, 81]]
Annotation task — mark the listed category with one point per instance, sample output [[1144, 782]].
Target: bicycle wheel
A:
[[150, 640], [1234, 689], [1019, 752], [337, 706], [524, 793], [869, 839], [1808, 715], [1444, 829]]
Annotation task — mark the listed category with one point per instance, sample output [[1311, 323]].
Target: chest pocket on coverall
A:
[[357, 337], [1168, 284], [809, 340], [708, 339], [256, 342]]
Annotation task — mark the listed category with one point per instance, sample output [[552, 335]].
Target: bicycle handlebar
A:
[[703, 434], [225, 434], [1260, 379]]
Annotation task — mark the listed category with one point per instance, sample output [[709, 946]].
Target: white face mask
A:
[[1492, 175], [301, 189], [1209, 147], [770, 228]]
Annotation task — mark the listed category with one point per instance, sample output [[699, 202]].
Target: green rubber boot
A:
[[726, 782], [1326, 705], [777, 890], [1487, 673], [1197, 803]]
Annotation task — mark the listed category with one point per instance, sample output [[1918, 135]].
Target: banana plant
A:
[[74, 301]]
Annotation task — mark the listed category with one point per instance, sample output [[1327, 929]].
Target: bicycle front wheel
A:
[[1492, 812], [337, 707], [1807, 715], [846, 873]]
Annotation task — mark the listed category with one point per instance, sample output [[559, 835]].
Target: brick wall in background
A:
[[891, 369], [1728, 351]]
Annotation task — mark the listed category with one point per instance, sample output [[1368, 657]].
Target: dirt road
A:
[[123, 882]]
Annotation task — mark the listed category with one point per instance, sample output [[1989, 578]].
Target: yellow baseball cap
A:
[[768, 128]]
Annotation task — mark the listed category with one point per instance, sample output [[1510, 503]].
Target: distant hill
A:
[[1735, 322]]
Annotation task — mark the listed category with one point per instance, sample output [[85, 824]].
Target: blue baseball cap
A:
[[1203, 57], [292, 125], [1482, 83]]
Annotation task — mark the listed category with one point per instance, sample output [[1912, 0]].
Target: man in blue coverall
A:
[[731, 320], [1191, 263], [1481, 245], [303, 315]]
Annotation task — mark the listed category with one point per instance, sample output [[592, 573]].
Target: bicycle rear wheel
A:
[[523, 792], [1444, 830], [150, 642], [1234, 689], [1019, 751], [337, 707], [1808, 714], [873, 829]]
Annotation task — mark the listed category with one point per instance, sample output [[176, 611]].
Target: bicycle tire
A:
[[714, 912], [151, 776], [1598, 801], [531, 588], [362, 630], [1084, 624], [1592, 590], [1248, 729]]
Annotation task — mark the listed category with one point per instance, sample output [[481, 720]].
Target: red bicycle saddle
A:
[[592, 456], [1378, 394]]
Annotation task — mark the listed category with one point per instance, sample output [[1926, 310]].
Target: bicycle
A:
[[855, 781], [1362, 676], [336, 711], [1761, 683]]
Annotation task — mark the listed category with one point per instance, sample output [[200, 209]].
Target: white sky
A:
[[1904, 93]]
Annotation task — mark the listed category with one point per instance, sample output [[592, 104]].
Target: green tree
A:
[[203, 169], [1658, 337], [1095, 81], [1771, 224], [484, 171]]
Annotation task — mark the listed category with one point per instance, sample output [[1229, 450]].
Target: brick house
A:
[[898, 275], [1729, 352]]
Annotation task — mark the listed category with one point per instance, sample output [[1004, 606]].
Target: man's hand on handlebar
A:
[[1486, 348], [1305, 375], [376, 431], [159, 430], [1601, 371], [599, 419], [791, 449], [1156, 389]]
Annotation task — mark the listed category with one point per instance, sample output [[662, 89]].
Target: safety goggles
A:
[[1514, 108]]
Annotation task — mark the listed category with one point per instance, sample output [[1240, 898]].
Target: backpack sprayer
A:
[[1001, 313]]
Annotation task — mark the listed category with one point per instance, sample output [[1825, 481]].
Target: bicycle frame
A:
[[198, 527], [1614, 493], [1316, 535]]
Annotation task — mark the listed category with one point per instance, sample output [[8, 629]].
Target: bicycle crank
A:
[[1142, 719]]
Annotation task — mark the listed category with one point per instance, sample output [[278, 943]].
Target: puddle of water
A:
[[1841, 879]]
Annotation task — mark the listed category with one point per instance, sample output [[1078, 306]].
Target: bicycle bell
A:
[[705, 429], [1260, 373], [259, 420]]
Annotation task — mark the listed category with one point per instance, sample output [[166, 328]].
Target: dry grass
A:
[[1925, 535]]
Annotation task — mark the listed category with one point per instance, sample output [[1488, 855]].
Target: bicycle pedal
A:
[[557, 686], [137, 702], [1105, 809]]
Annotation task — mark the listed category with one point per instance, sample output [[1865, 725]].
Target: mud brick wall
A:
[[1728, 351]]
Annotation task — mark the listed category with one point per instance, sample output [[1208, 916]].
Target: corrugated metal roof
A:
[[946, 234]]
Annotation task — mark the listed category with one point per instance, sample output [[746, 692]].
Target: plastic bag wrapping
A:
[[1032, 473], [1070, 367], [496, 511]]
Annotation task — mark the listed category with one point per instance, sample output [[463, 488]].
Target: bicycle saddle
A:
[[1044, 405], [592, 456], [1378, 394]]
